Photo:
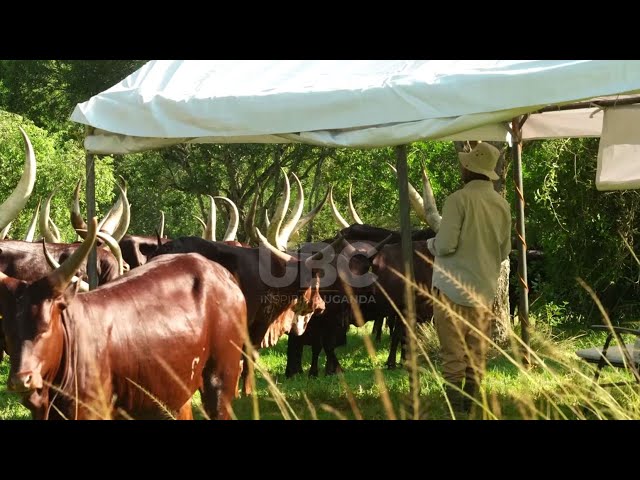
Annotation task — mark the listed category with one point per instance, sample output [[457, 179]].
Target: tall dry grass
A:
[[556, 385]]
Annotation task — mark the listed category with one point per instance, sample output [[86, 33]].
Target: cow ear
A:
[[68, 295]]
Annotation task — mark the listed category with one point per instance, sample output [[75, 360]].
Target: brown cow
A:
[[155, 335], [271, 309]]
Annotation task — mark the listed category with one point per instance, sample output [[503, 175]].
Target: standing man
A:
[[473, 240]]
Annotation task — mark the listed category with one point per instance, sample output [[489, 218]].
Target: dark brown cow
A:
[[26, 261], [328, 330], [389, 259], [137, 249], [266, 304], [155, 335]]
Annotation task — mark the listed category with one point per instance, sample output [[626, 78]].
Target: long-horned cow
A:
[[149, 340], [329, 330], [281, 289]]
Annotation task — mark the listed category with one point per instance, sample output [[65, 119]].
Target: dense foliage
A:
[[582, 231]]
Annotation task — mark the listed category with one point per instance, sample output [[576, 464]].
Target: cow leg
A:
[[332, 366], [393, 347], [295, 347], [377, 328], [219, 383], [185, 412], [392, 321], [2, 344], [244, 373], [247, 372], [316, 348]]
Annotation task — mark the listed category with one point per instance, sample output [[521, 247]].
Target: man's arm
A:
[[446, 240]]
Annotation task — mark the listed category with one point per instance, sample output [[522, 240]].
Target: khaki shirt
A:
[[473, 240]]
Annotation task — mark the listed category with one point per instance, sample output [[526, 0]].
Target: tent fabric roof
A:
[[362, 103]]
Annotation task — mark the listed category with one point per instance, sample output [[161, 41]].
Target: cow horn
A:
[[76, 216], [278, 253], [124, 183], [354, 214], [31, 231], [234, 220], [204, 225], [5, 231], [373, 251], [311, 215], [13, 205], [125, 218], [161, 232], [336, 214], [60, 278], [56, 231], [431, 214], [267, 222], [113, 245], [287, 229], [84, 286], [113, 217], [210, 230], [273, 231], [339, 239], [250, 219], [44, 222], [414, 198], [158, 238]]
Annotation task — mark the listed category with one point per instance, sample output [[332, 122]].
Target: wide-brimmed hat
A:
[[482, 159]]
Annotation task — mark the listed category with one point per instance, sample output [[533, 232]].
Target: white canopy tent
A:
[[364, 103], [361, 104]]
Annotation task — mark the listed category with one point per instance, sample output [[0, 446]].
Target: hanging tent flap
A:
[[619, 152], [584, 122]]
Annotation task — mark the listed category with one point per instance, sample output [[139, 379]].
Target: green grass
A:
[[558, 387]]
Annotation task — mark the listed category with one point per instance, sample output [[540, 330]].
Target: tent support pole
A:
[[407, 255], [92, 261], [523, 307]]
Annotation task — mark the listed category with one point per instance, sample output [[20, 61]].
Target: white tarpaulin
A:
[[619, 152], [362, 103]]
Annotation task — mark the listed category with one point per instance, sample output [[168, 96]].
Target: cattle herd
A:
[[174, 316]]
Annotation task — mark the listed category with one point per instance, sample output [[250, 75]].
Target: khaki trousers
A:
[[463, 349]]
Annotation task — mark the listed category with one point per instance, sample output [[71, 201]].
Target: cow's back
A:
[[26, 260], [243, 263]]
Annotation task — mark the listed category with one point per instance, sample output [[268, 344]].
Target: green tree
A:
[[46, 91], [59, 163]]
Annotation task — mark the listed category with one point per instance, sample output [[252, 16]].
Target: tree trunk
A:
[[501, 325]]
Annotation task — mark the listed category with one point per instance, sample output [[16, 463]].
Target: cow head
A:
[[308, 304], [32, 320], [305, 280], [356, 264]]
